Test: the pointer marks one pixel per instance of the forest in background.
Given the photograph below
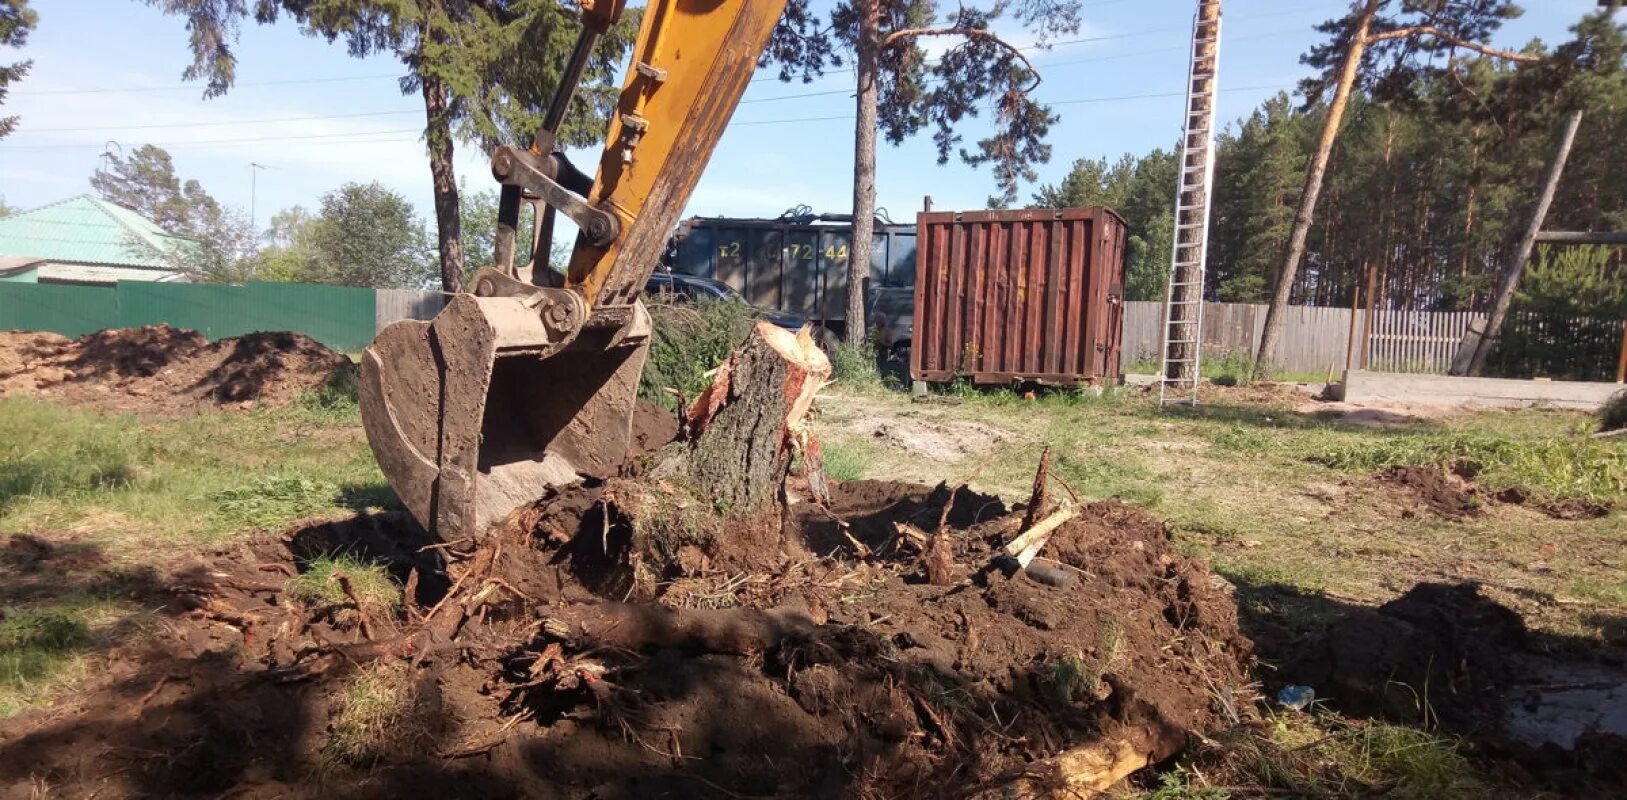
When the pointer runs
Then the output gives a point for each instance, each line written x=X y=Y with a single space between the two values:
x=1431 y=186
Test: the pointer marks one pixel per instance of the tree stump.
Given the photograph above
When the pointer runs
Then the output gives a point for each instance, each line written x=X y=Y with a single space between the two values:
x=747 y=427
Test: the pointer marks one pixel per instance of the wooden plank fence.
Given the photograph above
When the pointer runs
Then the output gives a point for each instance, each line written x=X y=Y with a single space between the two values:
x=1314 y=338
x=1417 y=341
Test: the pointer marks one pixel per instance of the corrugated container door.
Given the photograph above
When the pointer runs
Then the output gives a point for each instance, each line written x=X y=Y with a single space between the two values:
x=1009 y=296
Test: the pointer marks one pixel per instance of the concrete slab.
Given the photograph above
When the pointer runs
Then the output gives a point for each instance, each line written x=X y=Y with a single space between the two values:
x=1364 y=387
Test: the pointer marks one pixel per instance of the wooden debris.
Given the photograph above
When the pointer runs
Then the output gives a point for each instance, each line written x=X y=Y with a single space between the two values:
x=1030 y=542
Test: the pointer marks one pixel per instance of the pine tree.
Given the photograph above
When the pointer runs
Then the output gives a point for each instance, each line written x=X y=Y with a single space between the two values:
x=900 y=93
x=483 y=68
x=16 y=20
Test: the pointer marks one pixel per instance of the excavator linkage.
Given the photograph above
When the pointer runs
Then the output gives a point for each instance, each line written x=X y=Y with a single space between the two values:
x=522 y=383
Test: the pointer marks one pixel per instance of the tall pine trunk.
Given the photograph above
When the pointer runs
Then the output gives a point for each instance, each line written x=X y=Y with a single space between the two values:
x=448 y=223
x=1313 y=189
x=1510 y=280
x=864 y=171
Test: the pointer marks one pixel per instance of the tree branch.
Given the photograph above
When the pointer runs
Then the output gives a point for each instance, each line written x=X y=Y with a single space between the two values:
x=971 y=33
x=1431 y=30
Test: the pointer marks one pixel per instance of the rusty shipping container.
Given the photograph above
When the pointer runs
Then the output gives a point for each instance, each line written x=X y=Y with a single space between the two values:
x=1014 y=296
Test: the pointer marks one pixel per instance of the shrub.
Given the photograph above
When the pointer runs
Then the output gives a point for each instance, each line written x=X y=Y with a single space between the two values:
x=854 y=363
x=689 y=340
x=1613 y=414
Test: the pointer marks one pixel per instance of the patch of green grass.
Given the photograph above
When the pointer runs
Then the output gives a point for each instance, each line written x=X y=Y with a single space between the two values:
x=842 y=463
x=47 y=451
x=138 y=484
x=1322 y=755
x=270 y=499
x=1244 y=439
x=382 y=714
x=1253 y=573
x=374 y=587
x=39 y=648
x=1551 y=467
x=1100 y=476
x=1611 y=593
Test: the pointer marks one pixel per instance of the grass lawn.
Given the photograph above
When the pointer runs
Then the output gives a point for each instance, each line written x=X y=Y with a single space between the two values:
x=1272 y=492
x=125 y=498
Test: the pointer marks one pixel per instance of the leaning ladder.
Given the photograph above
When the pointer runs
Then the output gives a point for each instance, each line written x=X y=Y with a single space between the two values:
x=1181 y=354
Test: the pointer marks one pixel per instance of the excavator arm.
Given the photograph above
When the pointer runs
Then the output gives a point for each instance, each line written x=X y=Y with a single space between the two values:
x=522 y=384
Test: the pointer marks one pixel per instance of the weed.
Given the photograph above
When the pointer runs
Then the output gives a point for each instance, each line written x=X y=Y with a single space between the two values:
x=855 y=363
x=842 y=463
x=688 y=341
x=336 y=401
x=374 y=587
x=271 y=499
x=383 y=714
x=1233 y=367
x=38 y=646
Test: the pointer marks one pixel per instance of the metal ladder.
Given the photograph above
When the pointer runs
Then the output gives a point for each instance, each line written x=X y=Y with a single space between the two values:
x=1181 y=353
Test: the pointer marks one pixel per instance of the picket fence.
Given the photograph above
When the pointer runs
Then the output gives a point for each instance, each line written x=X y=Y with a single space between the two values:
x=1316 y=341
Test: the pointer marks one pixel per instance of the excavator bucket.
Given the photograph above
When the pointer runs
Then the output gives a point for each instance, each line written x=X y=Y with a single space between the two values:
x=519 y=386
x=475 y=413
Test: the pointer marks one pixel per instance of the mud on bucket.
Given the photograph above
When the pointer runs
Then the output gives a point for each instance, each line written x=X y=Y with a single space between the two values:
x=477 y=412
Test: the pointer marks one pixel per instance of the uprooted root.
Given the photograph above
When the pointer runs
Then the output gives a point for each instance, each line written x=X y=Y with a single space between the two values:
x=621 y=636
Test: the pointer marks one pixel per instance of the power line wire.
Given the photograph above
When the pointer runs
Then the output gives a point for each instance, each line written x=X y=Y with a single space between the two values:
x=194 y=86
x=1078 y=101
x=187 y=142
x=799 y=95
x=268 y=120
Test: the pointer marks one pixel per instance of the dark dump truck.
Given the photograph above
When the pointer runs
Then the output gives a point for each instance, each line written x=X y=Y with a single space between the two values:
x=796 y=262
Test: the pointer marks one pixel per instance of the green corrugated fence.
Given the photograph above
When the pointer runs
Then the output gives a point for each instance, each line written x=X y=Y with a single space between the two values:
x=68 y=310
x=340 y=317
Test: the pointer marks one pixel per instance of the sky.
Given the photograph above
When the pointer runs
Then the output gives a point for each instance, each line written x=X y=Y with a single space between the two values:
x=107 y=76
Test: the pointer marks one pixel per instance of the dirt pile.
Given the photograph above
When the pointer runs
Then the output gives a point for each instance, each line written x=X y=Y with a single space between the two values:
x=162 y=370
x=1455 y=495
x=620 y=648
x=1444 y=494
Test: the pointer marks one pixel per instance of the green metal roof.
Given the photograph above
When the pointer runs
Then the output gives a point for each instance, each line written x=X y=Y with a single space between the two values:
x=87 y=230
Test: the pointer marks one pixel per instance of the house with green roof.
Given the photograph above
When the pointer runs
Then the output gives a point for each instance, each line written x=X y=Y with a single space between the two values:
x=86 y=240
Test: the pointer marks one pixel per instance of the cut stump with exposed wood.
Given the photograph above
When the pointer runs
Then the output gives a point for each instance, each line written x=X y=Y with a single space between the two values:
x=748 y=427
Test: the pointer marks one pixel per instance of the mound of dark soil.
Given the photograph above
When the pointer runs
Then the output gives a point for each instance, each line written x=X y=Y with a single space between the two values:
x=162 y=370
x=1454 y=495
x=133 y=352
x=1443 y=494
x=624 y=654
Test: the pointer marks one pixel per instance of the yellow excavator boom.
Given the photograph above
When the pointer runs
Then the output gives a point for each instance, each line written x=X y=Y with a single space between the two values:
x=530 y=380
